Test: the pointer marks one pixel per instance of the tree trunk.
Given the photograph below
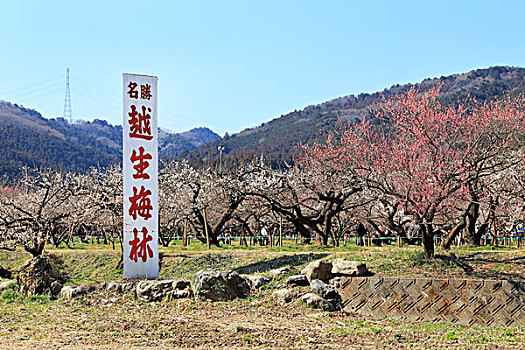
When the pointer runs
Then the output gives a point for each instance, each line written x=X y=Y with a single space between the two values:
x=36 y=249
x=428 y=239
x=399 y=231
x=306 y=236
x=472 y=237
x=448 y=241
x=323 y=239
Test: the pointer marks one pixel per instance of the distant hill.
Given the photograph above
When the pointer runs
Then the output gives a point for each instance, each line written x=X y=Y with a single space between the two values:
x=173 y=145
x=276 y=141
x=27 y=138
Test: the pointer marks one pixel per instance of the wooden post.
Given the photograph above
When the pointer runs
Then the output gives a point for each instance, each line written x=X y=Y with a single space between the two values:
x=399 y=241
x=206 y=228
x=494 y=228
x=244 y=243
x=185 y=235
x=280 y=230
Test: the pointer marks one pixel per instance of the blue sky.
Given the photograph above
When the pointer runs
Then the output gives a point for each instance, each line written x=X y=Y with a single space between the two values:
x=230 y=65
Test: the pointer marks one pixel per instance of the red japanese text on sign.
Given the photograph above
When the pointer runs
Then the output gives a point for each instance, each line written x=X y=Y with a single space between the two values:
x=145 y=91
x=132 y=92
x=142 y=164
x=140 y=203
x=140 y=247
x=139 y=123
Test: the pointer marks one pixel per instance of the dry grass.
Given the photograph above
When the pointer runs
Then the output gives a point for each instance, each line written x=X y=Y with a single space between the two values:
x=107 y=321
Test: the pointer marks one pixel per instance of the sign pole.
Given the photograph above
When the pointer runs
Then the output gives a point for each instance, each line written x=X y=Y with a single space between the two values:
x=140 y=176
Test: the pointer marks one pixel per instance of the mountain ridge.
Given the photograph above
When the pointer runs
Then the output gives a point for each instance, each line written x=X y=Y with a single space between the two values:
x=276 y=140
x=29 y=139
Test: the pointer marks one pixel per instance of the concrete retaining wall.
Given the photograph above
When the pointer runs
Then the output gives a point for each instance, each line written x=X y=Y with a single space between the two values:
x=467 y=302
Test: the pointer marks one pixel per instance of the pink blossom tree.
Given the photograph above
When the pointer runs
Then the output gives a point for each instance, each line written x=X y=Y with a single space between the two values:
x=420 y=154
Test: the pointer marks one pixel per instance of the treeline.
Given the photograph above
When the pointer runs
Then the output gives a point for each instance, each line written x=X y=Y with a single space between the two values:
x=277 y=139
x=28 y=139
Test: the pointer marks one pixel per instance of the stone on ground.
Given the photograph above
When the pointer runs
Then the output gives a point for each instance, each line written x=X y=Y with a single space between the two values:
x=38 y=276
x=318 y=270
x=120 y=287
x=324 y=290
x=70 y=292
x=6 y=284
x=342 y=267
x=257 y=281
x=280 y=271
x=287 y=295
x=327 y=292
x=317 y=302
x=219 y=285
x=158 y=290
x=297 y=281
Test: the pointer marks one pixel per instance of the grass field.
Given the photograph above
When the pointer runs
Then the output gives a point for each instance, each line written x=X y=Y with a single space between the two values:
x=110 y=321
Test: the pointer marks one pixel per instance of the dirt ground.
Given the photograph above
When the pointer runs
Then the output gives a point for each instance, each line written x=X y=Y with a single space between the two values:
x=103 y=320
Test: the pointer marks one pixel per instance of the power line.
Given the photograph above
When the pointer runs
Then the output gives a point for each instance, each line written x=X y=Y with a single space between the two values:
x=32 y=85
x=88 y=94
x=95 y=86
x=32 y=92
x=42 y=95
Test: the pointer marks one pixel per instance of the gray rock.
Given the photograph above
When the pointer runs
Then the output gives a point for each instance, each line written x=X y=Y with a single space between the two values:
x=181 y=284
x=318 y=270
x=324 y=290
x=219 y=286
x=120 y=287
x=297 y=281
x=287 y=295
x=56 y=287
x=336 y=282
x=342 y=267
x=102 y=285
x=179 y=294
x=257 y=281
x=70 y=292
x=327 y=292
x=6 y=284
x=317 y=302
x=158 y=290
x=279 y=271
x=113 y=287
x=37 y=276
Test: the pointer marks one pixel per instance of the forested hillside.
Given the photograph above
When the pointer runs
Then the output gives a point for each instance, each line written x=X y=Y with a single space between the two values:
x=276 y=141
x=27 y=138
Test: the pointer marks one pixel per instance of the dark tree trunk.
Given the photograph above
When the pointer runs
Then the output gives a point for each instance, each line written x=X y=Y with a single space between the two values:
x=448 y=241
x=472 y=237
x=36 y=249
x=427 y=232
x=323 y=239
x=306 y=236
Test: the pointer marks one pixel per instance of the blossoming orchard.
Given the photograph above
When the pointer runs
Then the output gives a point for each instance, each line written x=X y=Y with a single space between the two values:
x=412 y=170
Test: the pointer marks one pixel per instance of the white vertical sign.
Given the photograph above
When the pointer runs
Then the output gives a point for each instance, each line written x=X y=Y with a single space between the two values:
x=140 y=170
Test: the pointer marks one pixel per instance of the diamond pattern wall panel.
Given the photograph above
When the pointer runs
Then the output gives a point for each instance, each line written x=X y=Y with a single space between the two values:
x=467 y=302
